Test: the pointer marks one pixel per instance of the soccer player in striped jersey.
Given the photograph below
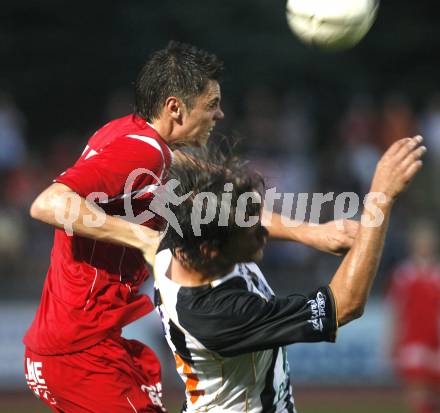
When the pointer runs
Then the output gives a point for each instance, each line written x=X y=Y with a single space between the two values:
x=222 y=321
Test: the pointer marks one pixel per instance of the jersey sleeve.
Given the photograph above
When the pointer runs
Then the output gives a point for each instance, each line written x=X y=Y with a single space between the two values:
x=109 y=169
x=232 y=322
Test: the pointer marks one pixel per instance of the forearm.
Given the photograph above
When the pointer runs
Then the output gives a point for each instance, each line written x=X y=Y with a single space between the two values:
x=352 y=281
x=65 y=209
x=335 y=237
x=283 y=228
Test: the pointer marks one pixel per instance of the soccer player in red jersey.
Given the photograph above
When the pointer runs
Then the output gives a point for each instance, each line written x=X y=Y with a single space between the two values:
x=415 y=298
x=76 y=359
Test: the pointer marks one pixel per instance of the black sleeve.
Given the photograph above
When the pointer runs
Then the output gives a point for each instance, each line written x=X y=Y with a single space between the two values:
x=230 y=320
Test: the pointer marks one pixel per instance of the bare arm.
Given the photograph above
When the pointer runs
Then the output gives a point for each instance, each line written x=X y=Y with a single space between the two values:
x=335 y=237
x=352 y=282
x=58 y=205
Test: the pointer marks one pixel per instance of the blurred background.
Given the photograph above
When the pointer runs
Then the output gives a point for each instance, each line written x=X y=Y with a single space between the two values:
x=310 y=121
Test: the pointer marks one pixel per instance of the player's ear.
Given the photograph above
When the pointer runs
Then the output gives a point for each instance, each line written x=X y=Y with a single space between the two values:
x=174 y=108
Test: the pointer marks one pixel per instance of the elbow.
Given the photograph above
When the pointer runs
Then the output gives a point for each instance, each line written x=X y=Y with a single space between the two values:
x=350 y=304
x=35 y=210
x=352 y=312
x=357 y=311
x=38 y=210
x=50 y=203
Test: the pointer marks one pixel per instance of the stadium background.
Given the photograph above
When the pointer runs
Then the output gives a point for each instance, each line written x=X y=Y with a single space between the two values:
x=311 y=121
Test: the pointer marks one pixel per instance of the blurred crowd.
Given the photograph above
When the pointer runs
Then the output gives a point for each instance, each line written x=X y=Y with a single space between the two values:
x=283 y=136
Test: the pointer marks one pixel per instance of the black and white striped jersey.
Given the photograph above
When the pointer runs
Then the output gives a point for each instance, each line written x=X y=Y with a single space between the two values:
x=228 y=337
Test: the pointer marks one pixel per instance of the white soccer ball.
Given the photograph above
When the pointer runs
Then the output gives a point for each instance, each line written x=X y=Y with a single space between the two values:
x=331 y=24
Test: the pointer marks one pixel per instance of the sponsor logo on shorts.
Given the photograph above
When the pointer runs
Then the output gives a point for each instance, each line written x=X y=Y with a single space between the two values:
x=36 y=382
x=154 y=392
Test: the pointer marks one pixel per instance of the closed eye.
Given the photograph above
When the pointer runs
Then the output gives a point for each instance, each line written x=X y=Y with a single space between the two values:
x=214 y=103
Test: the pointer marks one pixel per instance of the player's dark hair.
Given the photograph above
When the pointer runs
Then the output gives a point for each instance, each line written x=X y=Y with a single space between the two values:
x=209 y=171
x=180 y=70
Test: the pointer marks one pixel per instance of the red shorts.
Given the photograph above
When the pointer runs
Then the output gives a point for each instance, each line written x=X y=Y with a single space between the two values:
x=116 y=375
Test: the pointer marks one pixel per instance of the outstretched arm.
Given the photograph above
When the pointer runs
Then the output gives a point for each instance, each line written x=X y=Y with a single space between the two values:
x=335 y=237
x=59 y=206
x=352 y=282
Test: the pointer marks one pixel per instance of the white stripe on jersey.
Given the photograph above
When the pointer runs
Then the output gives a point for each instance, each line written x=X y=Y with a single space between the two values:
x=154 y=144
x=148 y=140
x=131 y=404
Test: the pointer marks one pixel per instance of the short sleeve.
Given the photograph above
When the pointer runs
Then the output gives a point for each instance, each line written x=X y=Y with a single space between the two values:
x=109 y=169
x=232 y=321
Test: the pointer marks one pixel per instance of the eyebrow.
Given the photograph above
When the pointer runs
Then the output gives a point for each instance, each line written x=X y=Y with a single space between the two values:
x=214 y=100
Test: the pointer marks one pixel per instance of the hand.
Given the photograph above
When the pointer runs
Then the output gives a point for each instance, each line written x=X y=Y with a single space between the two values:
x=398 y=166
x=335 y=237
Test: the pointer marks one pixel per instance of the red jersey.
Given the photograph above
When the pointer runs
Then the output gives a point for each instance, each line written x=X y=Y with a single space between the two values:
x=415 y=294
x=91 y=288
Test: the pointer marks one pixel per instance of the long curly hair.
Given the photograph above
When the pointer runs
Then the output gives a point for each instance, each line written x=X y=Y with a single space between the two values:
x=218 y=184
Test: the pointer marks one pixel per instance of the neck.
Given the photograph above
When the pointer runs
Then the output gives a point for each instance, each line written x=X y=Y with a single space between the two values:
x=188 y=277
x=164 y=129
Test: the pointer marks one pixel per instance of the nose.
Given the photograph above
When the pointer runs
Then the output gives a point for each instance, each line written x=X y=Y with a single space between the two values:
x=219 y=115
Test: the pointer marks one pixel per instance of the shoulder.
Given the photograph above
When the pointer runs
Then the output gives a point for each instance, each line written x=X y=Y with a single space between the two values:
x=229 y=303
x=129 y=132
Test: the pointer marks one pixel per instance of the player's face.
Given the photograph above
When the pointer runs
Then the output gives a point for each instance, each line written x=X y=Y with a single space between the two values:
x=198 y=123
